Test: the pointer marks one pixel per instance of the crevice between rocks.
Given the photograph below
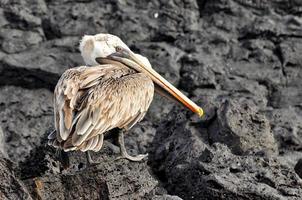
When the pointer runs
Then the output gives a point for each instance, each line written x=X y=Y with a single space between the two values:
x=201 y=6
x=31 y=79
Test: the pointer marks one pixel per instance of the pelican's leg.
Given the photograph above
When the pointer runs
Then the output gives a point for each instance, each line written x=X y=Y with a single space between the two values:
x=124 y=153
x=90 y=160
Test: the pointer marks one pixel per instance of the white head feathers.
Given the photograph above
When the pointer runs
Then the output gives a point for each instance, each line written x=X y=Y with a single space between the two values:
x=100 y=45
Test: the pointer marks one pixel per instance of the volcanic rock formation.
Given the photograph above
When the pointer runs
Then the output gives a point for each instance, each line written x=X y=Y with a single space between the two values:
x=239 y=59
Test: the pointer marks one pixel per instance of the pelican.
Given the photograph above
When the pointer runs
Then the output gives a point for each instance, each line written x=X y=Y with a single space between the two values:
x=114 y=90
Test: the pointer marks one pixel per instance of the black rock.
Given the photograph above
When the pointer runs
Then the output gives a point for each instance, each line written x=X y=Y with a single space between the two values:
x=10 y=186
x=298 y=168
x=194 y=168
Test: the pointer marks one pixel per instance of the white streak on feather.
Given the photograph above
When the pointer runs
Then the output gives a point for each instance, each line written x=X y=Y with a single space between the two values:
x=83 y=123
x=95 y=142
x=100 y=143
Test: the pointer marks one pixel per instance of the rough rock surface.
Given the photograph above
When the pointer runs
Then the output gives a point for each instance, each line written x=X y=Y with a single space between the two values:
x=25 y=116
x=46 y=178
x=192 y=166
x=239 y=59
x=10 y=186
x=2 y=142
x=298 y=168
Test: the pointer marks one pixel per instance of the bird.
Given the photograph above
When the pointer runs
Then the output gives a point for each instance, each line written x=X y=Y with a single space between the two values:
x=113 y=90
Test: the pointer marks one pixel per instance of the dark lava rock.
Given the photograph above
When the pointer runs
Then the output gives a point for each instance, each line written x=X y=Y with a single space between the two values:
x=192 y=168
x=15 y=40
x=25 y=116
x=286 y=125
x=298 y=168
x=2 y=142
x=112 y=178
x=78 y=186
x=27 y=68
x=166 y=197
x=139 y=138
x=242 y=129
x=10 y=186
x=198 y=74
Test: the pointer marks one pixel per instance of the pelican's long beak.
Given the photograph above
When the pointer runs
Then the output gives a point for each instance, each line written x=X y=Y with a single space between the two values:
x=129 y=58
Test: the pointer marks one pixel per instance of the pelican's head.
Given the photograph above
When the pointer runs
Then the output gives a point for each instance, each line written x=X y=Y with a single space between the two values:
x=100 y=45
x=100 y=48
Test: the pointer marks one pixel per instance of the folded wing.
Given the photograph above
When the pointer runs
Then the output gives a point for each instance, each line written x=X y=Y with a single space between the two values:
x=89 y=101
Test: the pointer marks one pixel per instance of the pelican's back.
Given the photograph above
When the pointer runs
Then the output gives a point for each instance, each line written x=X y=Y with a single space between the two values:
x=89 y=101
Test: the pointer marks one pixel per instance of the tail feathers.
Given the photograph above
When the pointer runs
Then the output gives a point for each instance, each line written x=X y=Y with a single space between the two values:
x=95 y=143
x=53 y=140
x=54 y=143
x=68 y=146
x=52 y=135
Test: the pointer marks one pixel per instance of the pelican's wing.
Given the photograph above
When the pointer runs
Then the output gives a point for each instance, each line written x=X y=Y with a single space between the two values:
x=91 y=101
x=70 y=91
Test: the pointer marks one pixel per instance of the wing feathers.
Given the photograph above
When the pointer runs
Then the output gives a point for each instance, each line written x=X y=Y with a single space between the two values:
x=94 y=143
x=91 y=101
x=67 y=114
x=84 y=122
x=100 y=143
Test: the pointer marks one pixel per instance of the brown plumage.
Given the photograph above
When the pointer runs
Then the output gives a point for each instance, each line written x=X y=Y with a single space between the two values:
x=89 y=101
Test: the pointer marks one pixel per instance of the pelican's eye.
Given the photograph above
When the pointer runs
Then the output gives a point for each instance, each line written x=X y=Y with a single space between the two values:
x=118 y=49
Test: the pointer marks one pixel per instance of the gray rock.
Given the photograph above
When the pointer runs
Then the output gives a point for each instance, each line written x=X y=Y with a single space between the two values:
x=298 y=168
x=27 y=68
x=2 y=143
x=10 y=186
x=3 y=20
x=139 y=139
x=68 y=187
x=291 y=96
x=166 y=197
x=159 y=108
x=194 y=167
x=14 y=40
x=286 y=126
x=242 y=129
x=197 y=74
x=25 y=116
x=112 y=178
